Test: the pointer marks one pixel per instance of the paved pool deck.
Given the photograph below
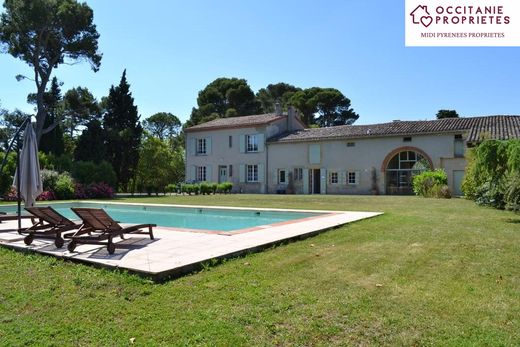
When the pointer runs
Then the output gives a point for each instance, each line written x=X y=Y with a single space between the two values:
x=176 y=252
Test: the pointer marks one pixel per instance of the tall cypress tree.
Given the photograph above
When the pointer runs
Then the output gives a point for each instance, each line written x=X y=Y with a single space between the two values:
x=123 y=131
x=52 y=141
x=91 y=143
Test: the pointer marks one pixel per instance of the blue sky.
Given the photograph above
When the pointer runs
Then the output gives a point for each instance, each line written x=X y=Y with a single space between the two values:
x=173 y=49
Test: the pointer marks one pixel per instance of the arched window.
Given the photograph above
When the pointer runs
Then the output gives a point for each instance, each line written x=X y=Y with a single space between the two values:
x=401 y=169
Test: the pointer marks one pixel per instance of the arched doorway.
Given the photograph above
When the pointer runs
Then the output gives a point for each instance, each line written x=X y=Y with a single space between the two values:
x=400 y=166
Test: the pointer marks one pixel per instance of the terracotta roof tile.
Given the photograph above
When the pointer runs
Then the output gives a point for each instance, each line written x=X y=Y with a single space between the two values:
x=495 y=127
x=236 y=122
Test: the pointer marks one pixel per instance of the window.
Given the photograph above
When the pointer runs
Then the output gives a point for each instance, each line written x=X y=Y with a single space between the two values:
x=298 y=174
x=230 y=141
x=351 y=144
x=407 y=139
x=251 y=143
x=282 y=177
x=201 y=146
x=201 y=173
x=252 y=173
x=230 y=170
x=458 y=150
x=333 y=177
x=351 y=178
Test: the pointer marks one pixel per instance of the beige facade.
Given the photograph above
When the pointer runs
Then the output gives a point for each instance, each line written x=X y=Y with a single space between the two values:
x=226 y=156
x=262 y=158
x=354 y=166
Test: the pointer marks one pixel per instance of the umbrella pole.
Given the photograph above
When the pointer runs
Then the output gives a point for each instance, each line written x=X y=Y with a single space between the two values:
x=18 y=194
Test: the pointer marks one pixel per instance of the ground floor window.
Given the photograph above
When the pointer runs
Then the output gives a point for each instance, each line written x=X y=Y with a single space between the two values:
x=352 y=177
x=298 y=174
x=201 y=173
x=282 y=176
x=333 y=178
x=401 y=170
x=252 y=173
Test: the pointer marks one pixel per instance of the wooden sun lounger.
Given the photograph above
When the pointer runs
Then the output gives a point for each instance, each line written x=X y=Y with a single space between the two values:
x=51 y=225
x=98 y=227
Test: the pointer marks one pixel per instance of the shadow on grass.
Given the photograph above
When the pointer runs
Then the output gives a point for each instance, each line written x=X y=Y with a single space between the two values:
x=513 y=220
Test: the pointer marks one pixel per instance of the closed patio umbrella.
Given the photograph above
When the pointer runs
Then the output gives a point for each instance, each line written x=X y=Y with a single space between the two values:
x=30 y=184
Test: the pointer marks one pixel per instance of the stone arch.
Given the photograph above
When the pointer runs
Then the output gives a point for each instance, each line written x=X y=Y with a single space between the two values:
x=396 y=151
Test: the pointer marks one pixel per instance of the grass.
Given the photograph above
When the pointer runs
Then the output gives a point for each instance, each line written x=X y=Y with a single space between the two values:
x=427 y=273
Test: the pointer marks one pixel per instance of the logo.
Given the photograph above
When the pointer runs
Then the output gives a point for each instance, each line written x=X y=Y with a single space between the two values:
x=421 y=16
x=462 y=23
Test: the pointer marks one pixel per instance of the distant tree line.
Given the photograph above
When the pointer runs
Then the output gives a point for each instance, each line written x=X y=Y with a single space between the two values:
x=231 y=97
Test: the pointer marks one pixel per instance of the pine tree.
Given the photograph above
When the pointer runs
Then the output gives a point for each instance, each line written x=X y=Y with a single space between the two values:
x=123 y=131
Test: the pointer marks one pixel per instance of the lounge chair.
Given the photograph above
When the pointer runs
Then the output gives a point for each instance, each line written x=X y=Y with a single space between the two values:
x=98 y=226
x=51 y=225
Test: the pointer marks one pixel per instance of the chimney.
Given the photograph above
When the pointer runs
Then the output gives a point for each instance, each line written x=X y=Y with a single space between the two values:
x=291 y=115
x=278 y=108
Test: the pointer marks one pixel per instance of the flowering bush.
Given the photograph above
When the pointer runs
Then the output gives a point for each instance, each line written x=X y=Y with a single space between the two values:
x=11 y=195
x=46 y=196
x=93 y=191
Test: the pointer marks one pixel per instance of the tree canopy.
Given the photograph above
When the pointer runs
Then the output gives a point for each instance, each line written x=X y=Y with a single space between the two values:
x=447 y=114
x=224 y=97
x=45 y=34
x=323 y=106
x=79 y=108
x=279 y=92
x=163 y=125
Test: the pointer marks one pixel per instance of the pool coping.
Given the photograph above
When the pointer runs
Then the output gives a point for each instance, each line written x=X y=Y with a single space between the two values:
x=166 y=257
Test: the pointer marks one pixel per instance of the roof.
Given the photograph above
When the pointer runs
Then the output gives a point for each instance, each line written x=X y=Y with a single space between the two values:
x=495 y=127
x=236 y=122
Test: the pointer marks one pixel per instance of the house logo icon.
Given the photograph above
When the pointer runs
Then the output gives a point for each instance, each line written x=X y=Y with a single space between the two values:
x=421 y=16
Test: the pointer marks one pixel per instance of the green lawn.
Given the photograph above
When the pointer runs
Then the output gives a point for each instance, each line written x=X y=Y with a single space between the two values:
x=427 y=273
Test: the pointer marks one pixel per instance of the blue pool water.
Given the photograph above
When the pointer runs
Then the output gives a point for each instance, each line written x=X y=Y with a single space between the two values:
x=181 y=217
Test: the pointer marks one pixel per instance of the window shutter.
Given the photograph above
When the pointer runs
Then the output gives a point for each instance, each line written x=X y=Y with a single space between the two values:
x=358 y=174
x=323 y=181
x=305 y=179
x=260 y=172
x=208 y=145
x=261 y=142
x=314 y=154
x=343 y=178
x=242 y=143
x=192 y=173
x=242 y=173
x=209 y=177
x=192 y=145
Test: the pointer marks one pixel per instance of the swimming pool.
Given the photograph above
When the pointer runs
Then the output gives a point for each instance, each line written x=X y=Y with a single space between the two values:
x=198 y=218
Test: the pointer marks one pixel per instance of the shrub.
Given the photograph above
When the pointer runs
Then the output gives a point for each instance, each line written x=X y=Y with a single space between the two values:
x=46 y=196
x=512 y=193
x=431 y=184
x=171 y=188
x=190 y=188
x=205 y=188
x=64 y=187
x=87 y=172
x=100 y=191
x=225 y=187
x=49 y=179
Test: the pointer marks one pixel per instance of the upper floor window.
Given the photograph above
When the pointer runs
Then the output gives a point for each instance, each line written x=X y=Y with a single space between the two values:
x=458 y=151
x=230 y=141
x=201 y=146
x=251 y=143
x=351 y=144
x=407 y=139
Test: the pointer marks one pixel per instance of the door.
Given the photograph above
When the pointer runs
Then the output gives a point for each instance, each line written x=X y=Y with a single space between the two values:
x=222 y=174
x=458 y=176
x=316 y=181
